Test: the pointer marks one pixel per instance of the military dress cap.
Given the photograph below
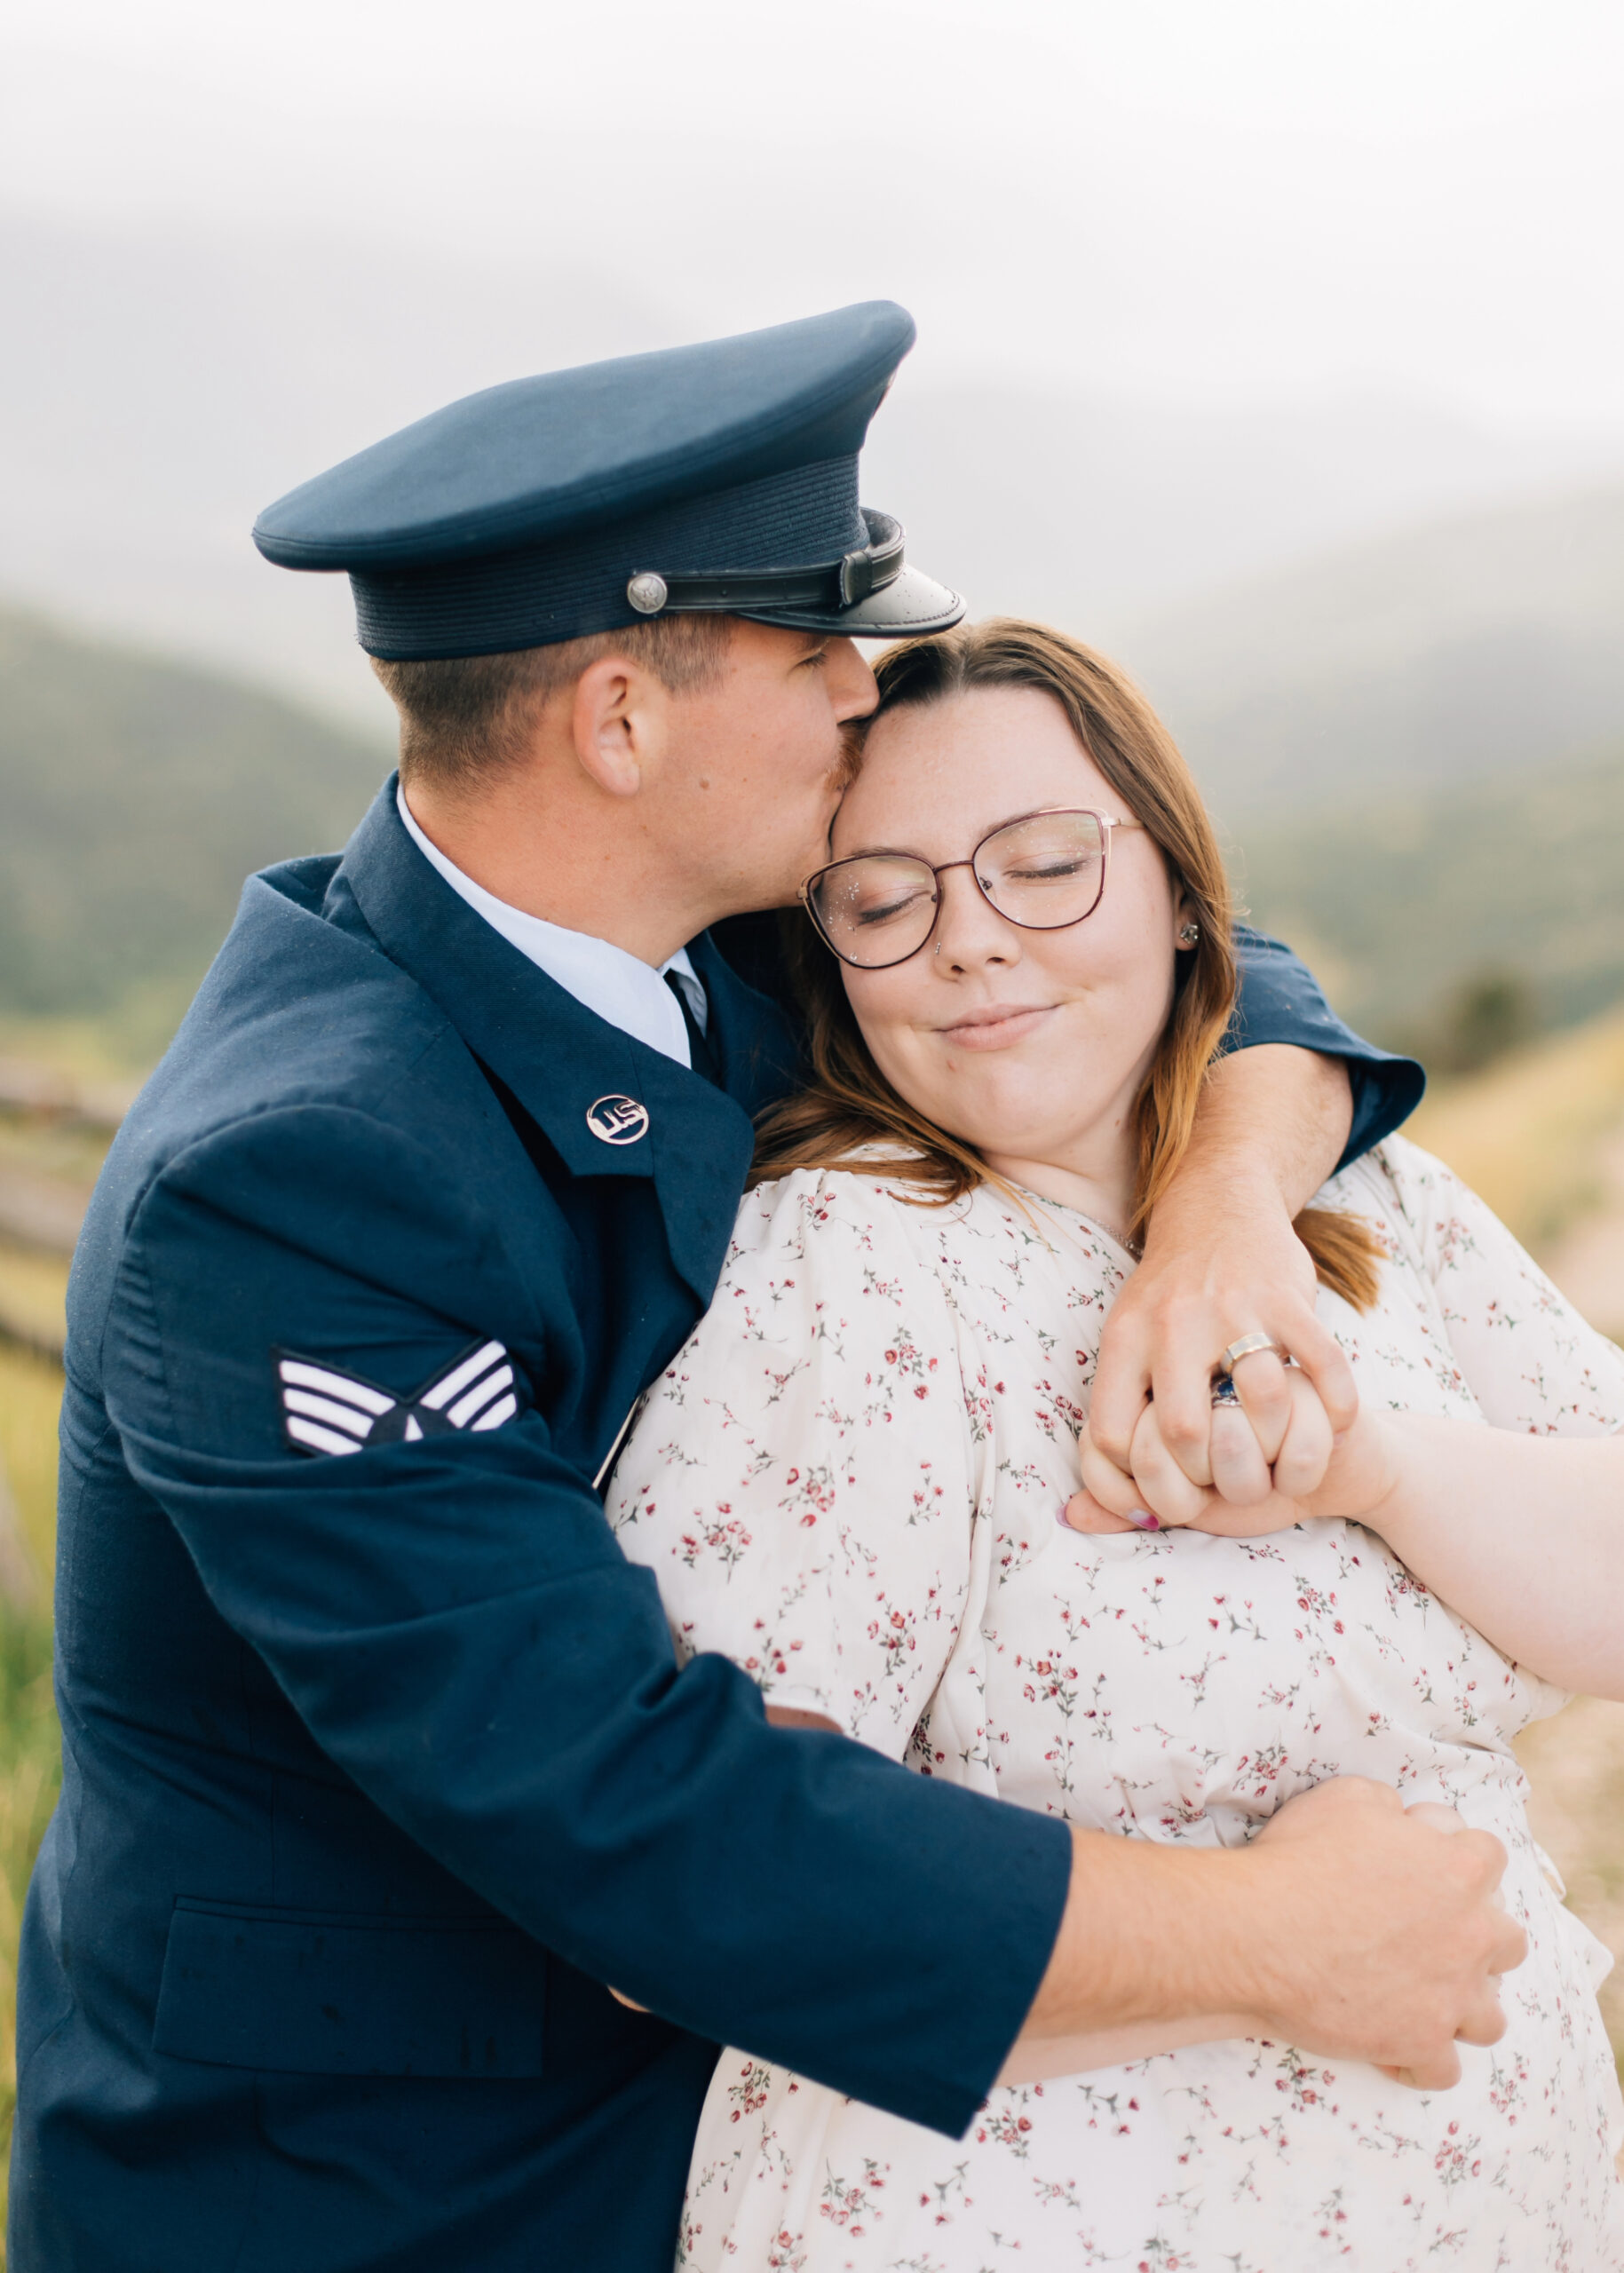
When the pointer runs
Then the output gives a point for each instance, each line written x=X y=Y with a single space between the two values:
x=719 y=478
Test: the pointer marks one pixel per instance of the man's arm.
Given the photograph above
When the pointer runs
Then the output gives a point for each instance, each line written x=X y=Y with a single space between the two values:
x=1221 y=1260
x=1348 y=1926
x=1296 y=1095
x=453 y=1621
x=1280 y=1000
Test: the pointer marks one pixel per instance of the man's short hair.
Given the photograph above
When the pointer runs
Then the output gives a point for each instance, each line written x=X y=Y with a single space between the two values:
x=465 y=718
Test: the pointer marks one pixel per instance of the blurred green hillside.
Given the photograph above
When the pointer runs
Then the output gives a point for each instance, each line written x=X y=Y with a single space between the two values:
x=1418 y=906
x=138 y=792
x=1488 y=643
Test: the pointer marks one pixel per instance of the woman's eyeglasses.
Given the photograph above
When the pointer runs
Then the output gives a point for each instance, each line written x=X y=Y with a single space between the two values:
x=1045 y=871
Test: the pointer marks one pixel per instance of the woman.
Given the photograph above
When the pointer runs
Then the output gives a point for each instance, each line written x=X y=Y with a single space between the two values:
x=849 y=1482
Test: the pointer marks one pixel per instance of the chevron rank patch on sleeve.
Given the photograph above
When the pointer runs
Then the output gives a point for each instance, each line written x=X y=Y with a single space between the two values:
x=327 y=1410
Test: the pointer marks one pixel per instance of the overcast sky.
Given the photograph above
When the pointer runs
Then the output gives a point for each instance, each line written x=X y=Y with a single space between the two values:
x=1209 y=200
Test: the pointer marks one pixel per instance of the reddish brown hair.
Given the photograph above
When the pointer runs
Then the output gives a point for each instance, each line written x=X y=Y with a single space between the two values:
x=850 y=1105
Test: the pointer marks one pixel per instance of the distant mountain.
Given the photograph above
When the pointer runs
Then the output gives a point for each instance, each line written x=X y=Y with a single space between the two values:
x=137 y=794
x=1091 y=510
x=1402 y=900
x=1490 y=642
x=156 y=392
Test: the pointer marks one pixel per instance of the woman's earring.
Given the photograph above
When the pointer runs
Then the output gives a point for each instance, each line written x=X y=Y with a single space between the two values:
x=1188 y=934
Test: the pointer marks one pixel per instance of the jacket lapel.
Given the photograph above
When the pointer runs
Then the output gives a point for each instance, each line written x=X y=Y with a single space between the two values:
x=609 y=1106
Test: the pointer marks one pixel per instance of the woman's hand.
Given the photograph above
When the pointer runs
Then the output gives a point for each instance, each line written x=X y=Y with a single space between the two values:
x=1221 y=1260
x=1313 y=1472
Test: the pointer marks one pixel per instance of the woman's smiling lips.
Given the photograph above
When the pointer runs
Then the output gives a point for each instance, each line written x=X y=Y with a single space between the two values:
x=997 y=1026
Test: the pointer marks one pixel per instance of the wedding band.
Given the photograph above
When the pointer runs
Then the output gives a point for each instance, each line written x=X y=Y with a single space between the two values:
x=1248 y=1346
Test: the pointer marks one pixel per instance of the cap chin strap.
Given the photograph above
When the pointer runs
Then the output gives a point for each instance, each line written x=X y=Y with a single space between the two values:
x=832 y=585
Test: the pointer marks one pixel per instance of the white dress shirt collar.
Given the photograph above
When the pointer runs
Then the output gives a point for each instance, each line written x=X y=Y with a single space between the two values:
x=622 y=991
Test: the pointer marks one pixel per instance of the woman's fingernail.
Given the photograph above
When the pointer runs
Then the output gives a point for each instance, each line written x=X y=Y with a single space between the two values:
x=1140 y=1521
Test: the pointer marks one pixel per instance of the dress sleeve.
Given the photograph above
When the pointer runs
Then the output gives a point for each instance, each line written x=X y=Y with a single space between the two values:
x=1522 y=1349
x=799 y=1479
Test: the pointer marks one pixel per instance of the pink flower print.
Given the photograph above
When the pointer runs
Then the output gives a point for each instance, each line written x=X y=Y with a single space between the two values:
x=728 y=1540
x=809 y=1493
x=1008 y=2129
x=1404 y=1586
x=772 y=1656
x=1456 y=2158
x=1307 y=2085
x=893 y=1630
x=748 y=2095
x=926 y=1494
x=1331 y=2214
x=846 y=2200
x=1263 y=1766
x=1506 y=2087
x=946 y=2190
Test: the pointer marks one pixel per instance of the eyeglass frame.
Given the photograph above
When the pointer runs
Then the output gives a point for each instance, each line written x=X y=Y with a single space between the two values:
x=1108 y=823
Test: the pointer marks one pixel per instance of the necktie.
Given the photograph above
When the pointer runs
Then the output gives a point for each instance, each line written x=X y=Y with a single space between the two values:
x=699 y=1050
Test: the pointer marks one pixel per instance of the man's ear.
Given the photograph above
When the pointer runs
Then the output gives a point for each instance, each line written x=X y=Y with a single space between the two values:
x=619 y=723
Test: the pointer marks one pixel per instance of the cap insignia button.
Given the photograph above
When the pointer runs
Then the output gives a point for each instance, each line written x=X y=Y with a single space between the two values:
x=647 y=592
x=617 y=1121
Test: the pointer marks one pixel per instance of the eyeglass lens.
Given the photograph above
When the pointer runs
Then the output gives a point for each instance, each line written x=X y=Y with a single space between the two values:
x=1043 y=872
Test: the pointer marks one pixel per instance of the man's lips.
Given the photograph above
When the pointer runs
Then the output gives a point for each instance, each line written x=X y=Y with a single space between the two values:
x=997 y=1026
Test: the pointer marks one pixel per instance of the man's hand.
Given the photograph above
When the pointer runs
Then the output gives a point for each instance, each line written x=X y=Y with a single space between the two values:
x=1353 y=1861
x=1348 y=1927
x=1221 y=1260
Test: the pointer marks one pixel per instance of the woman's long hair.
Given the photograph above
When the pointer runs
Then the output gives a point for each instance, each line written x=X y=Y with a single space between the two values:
x=849 y=1107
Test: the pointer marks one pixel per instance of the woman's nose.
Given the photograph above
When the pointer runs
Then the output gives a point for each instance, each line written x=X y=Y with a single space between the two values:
x=970 y=933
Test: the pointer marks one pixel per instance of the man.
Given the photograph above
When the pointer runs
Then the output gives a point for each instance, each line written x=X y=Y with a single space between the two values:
x=378 y=1763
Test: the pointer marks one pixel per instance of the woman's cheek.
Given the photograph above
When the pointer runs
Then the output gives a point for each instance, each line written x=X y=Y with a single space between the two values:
x=895 y=1049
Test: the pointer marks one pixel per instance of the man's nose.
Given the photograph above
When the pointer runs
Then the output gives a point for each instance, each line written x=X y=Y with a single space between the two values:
x=970 y=933
x=853 y=689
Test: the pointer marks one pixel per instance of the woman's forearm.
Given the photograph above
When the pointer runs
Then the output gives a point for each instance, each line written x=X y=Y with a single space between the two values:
x=1522 y=1535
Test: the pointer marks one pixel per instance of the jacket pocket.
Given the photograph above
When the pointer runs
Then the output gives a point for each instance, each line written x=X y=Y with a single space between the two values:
x=335 y=1994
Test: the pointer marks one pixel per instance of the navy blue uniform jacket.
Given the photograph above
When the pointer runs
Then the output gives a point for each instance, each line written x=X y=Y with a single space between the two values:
x=376 y=1766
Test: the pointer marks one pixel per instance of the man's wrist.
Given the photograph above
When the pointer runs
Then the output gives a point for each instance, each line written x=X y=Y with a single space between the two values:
x=1276 y=1117
x=1225 y=1185
x=1150 y=1933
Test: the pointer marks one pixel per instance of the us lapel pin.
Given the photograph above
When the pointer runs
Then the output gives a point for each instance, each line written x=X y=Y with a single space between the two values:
x=617 y=1121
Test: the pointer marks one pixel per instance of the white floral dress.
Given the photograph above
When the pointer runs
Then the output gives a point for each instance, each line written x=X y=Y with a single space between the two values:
x=849 y=1482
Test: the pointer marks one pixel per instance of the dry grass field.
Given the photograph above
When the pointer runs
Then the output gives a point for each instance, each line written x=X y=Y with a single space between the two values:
x=30 y=1390
x=1534 y=1136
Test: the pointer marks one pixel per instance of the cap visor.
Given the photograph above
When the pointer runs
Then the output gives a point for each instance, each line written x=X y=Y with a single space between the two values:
x=912 y=602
